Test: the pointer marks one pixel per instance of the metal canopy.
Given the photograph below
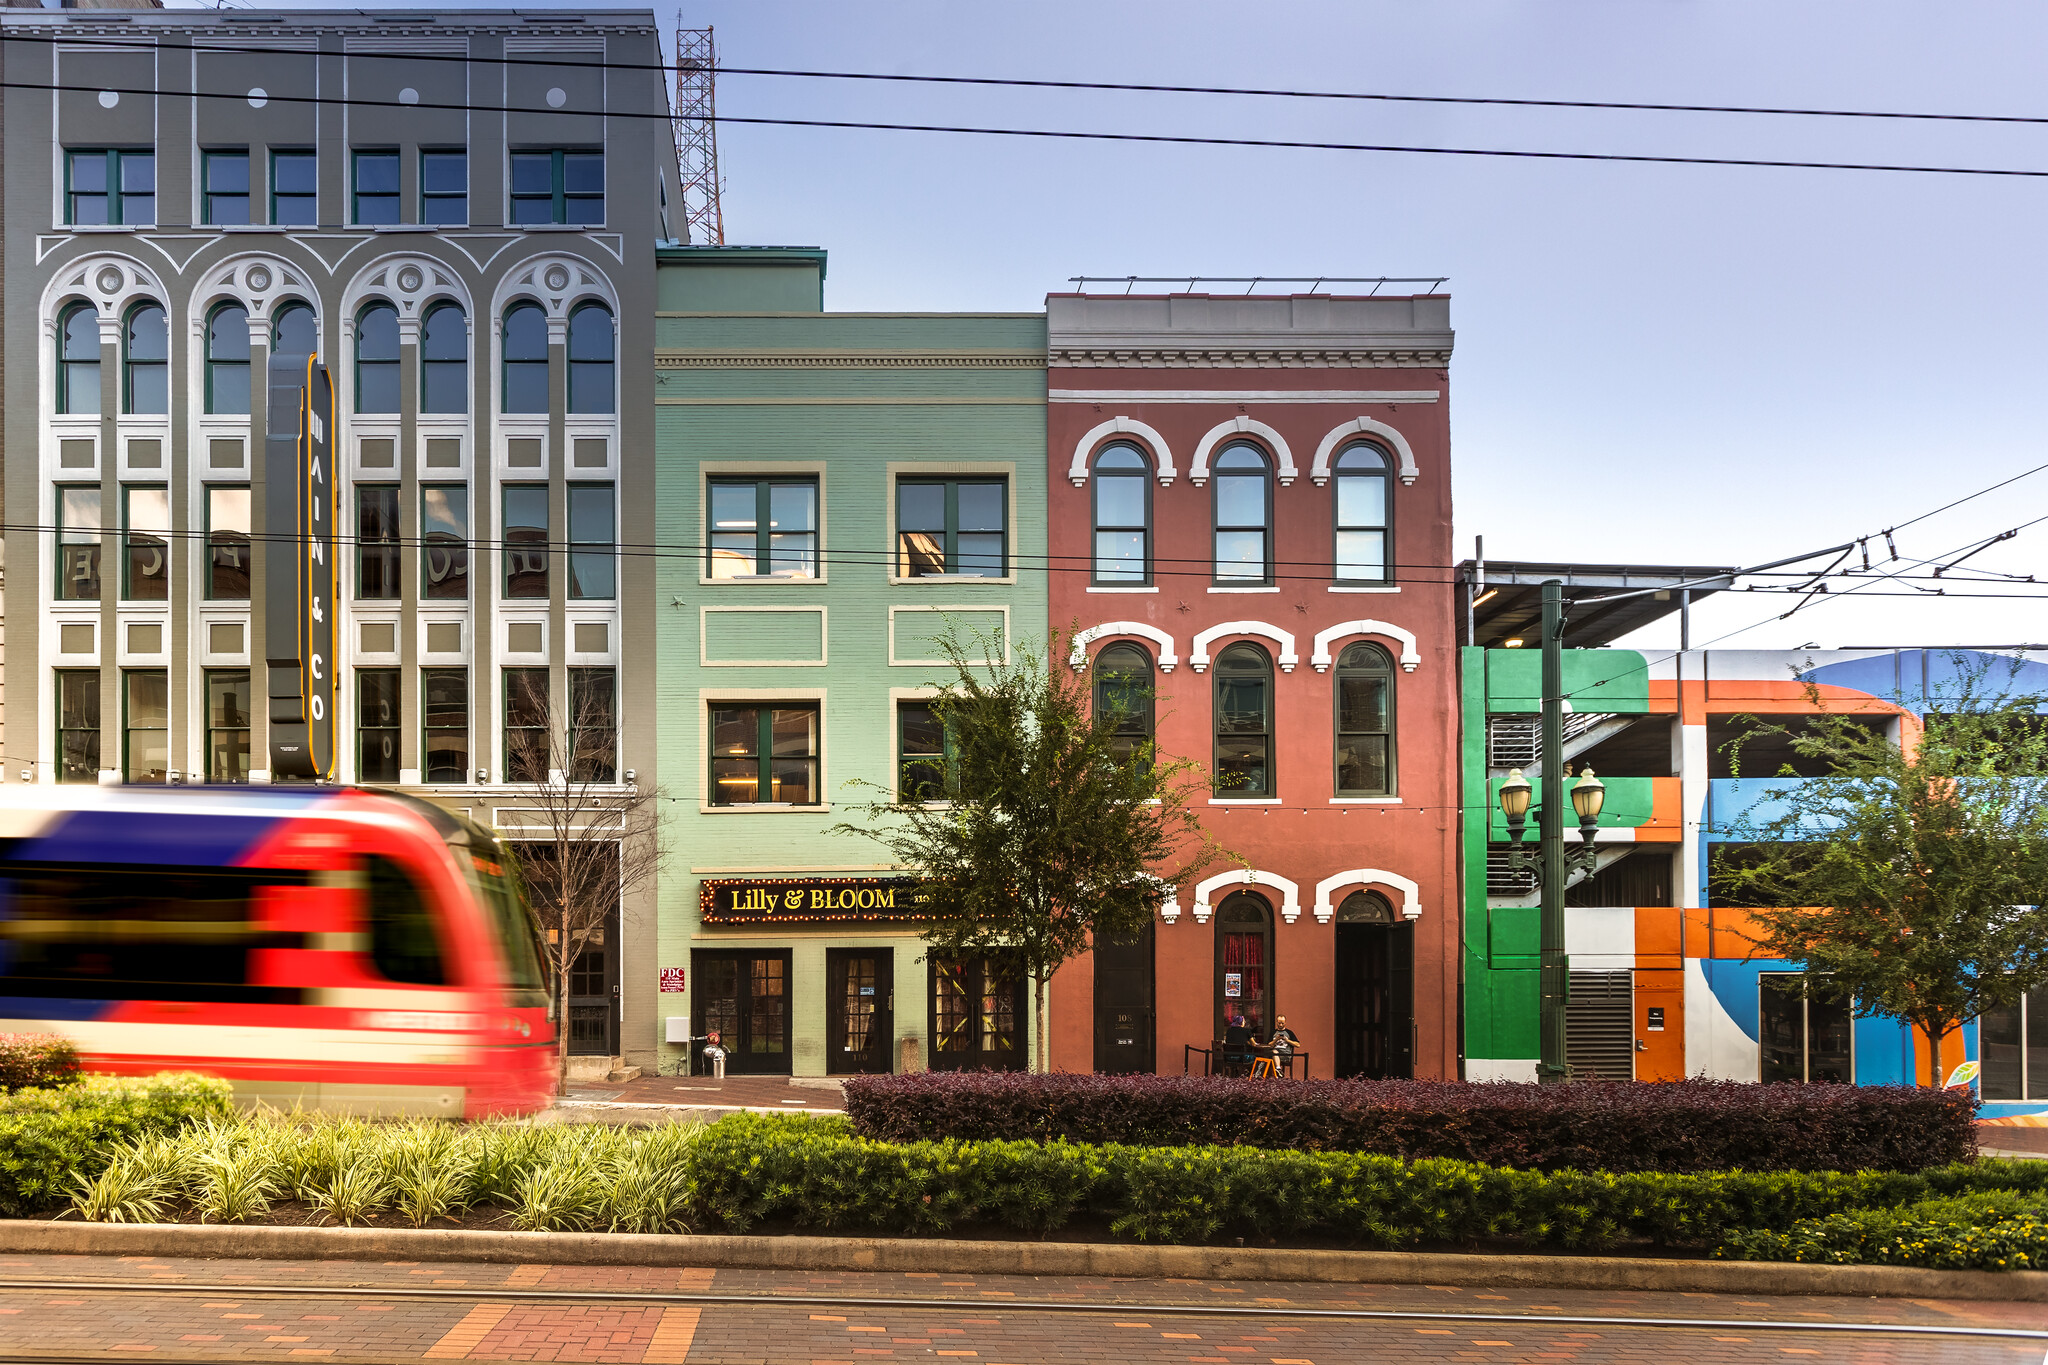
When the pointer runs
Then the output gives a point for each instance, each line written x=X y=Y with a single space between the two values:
x=1501 y=600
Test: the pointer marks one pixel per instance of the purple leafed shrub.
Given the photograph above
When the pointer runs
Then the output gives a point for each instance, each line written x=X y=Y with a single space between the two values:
x=40 y=1059
x=1672 y=1126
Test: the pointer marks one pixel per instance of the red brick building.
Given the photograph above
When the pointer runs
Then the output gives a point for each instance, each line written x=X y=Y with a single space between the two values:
x=1249 y=511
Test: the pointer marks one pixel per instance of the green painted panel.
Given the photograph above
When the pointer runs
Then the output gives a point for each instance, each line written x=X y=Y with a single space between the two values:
x=1628 y=804
x=755 y=636
x=916 y=633
x=1600 y=680
x=1517 y=1011
x=779 y=286
x=1515 y=934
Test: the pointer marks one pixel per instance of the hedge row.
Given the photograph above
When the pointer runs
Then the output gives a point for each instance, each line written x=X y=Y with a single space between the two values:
x=48 y=1136
x=2000 y=1231
x=36 y=1059
x=1674 y=1126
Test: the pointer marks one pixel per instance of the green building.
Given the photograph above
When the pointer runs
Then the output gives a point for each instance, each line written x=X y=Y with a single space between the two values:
x=833 y=490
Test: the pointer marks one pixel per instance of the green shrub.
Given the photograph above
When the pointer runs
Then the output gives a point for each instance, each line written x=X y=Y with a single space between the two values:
x=1996 y=1230
x=48 y=1137
x=36 y=1059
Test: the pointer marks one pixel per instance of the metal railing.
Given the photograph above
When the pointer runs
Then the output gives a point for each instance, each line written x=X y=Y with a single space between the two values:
x=1251 y=282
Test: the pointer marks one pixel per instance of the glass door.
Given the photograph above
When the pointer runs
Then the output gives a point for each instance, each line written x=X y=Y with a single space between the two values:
x=977 y=1016
x=744 y=996
x=860 y=1011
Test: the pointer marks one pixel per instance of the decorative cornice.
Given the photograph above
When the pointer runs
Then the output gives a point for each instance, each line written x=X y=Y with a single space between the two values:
x=1237 y=358
x=848 y=360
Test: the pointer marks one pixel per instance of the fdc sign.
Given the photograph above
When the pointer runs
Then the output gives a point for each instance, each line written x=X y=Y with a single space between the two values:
x=300 y=575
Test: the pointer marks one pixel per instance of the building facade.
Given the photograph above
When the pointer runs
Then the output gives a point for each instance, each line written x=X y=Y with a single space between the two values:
x=1248 y=510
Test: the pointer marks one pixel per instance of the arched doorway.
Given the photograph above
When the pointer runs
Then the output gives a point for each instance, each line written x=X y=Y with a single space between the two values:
x=1244 y=963
x=1375 y=989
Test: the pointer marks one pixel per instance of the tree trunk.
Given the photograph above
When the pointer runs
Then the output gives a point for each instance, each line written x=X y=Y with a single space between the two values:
x=1038 y=985
x=562 y=1009
x=1934 y=1052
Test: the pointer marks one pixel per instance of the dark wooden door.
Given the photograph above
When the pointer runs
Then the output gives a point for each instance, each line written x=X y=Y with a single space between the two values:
x=1124 y=1010
x=860 y=1011
x=978 y=1016
x=1375 y=1000
x=745 y=997
x=594 y=994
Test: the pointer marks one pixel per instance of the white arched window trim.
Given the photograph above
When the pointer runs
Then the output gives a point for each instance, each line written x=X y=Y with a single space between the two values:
x=1198 y=468
x=1290 y=894
x=1198 y=658
x=1084 y=452
x=1411 y=901
x=1319 y=470
x=1320 y=660
x=1078 y=659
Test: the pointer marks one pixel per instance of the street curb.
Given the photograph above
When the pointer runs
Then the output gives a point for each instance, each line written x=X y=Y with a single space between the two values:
x=946 y=1256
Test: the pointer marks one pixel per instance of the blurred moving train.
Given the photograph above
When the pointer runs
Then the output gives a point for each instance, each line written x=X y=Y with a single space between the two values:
x=326 y=947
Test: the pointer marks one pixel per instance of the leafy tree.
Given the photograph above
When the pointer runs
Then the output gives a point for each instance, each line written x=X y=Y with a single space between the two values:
x=1053 y=829
x=1909 y=877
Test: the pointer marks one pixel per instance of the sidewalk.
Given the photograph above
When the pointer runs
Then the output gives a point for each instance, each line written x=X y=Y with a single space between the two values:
x=648 y=1094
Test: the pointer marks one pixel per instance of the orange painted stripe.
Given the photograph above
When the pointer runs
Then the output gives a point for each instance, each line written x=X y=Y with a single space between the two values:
x=467 y=1335
x=673 y=1336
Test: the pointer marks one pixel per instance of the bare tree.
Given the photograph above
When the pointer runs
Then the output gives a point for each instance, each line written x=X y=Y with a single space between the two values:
x=588 y=840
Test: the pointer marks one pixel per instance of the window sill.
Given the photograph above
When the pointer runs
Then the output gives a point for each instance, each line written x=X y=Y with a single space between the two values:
x=106 y=227
x=1153 y=590
x=951 y=580
x=557 y=227
x=1219 y=590
x=764 y=808
x=399 y=227
x=763 y=579
x=1383 y=587
x=1244 y=800
x=1365 y=800
x=273 y=229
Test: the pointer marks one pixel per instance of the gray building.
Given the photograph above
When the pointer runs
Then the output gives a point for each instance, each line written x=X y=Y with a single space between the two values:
x=457 y=212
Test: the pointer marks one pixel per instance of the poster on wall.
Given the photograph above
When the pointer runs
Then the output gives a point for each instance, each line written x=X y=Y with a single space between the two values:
x=1233 y=985
x=671 y=980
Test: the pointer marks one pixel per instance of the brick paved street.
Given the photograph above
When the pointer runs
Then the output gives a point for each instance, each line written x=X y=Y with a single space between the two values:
x=208 y=1319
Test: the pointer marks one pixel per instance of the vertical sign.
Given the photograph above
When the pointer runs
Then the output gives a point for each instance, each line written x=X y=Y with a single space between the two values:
x=302 y=574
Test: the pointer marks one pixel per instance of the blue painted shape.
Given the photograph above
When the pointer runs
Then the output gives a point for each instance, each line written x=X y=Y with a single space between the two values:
x=1884 y=1052
x=1897 y=676
x=156 y=838
x=1734 y=986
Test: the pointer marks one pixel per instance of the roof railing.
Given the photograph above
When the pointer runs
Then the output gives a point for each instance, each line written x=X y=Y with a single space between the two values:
x=1251 y=282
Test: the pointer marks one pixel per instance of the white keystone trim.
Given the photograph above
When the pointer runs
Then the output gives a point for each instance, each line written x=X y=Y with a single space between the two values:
x=1321 y=658
x=1198 y=659
x=1363 y=426
x=1198 y=469
x=1078 y=659
x=1290 y=894
x=1162 y=457
x=1169 y=908
x=1411 y=903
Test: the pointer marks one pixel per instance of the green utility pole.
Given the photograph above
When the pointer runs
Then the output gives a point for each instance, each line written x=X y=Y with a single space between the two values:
x=1554 y=978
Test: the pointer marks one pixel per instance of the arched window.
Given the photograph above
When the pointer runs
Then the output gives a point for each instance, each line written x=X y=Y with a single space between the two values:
x=227 y=359
x=1123 y=686
x=1244 y=515
x=1244 y=963
x=294 y=333
x=1364 y=527
x=78 y=361
x=1244 y=721
x=590 y=359
x=1123 y=508
x=377 y=359
x=145 y=361
x=1365 y=722
x=444 y=360
x=526 y=358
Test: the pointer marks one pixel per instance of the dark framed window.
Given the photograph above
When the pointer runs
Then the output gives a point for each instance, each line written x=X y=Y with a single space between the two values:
x=526 y=539
x=592 y=572
x=763 y=527
x=525 y=359
x=1123 y=688
x=226 y=179
x=294 y=188
x=294 y=333
x=444 y=187
x=444 y=541
x=1802 y=1039
x=227 y=725
x=764 y=755
x=1122 y=490
x=374 y=188
x=78 y=361
x=145 y=361
x=377 y=723
x=926 y=765
x=1364 y=515
x=146 y=542
x=1242 y=484
x=110 y=186
x=78 y=725
x=227 y=542
x=78 y=543
x=377 y=541
x=557 y=185
x=952 y=526
x=593 y=725
x=377 y=359
x=402 y=942
x=444 y=724
x=1244 y=964
x=591 y=351
x=227 y=359
x=1244 y=721
x=2012 y=1040
x=444 y=360
x=1365 y=722
x=145 y=725
x=527 y=750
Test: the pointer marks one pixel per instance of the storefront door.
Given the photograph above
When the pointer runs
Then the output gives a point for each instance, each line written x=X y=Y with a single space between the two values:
x=860 y=1010
x=594 y=994
x=1123 y=1003
x=977 y=1016
x=1375 y=994
x=745 y=997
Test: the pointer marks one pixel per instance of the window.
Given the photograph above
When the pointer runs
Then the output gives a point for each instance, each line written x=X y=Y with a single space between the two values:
x=1123 y=497
x=377 y=540
x=1244 y=721
x=146 y=724
x=444 y=188
x=294 y=189
x=557 y=186
x=377 y=359
x=445 y=729
x=1244 y=542
x=227 y=726
x=294 y=334
x=145 y=361
x=1244 y=958
x=78 y=725
x=590 y=359
x=763 y=527
x=591 y=568
x=1365 y=722
x=444 y=360
x=1362 y=526
x=146 y=558
x=377 y=725
x=925 y=764
x=951 y=526
x=376 y=188
x=593 y=725
x=764 y=755
x=110 y=187
x=402 y=943
x=1803 y=1040
x=527 y=750
x=78 y=544
x=1123 y=688
x=526 y=359
x=226 y=178
x=2013 y=1043
x=227 y=360
x=444 y=541
x=78 y=361
x=227 y=543
x=526 y=540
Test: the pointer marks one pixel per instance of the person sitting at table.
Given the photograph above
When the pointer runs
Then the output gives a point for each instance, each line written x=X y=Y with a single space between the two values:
x=1283 y=1042
x=1237 y=1045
